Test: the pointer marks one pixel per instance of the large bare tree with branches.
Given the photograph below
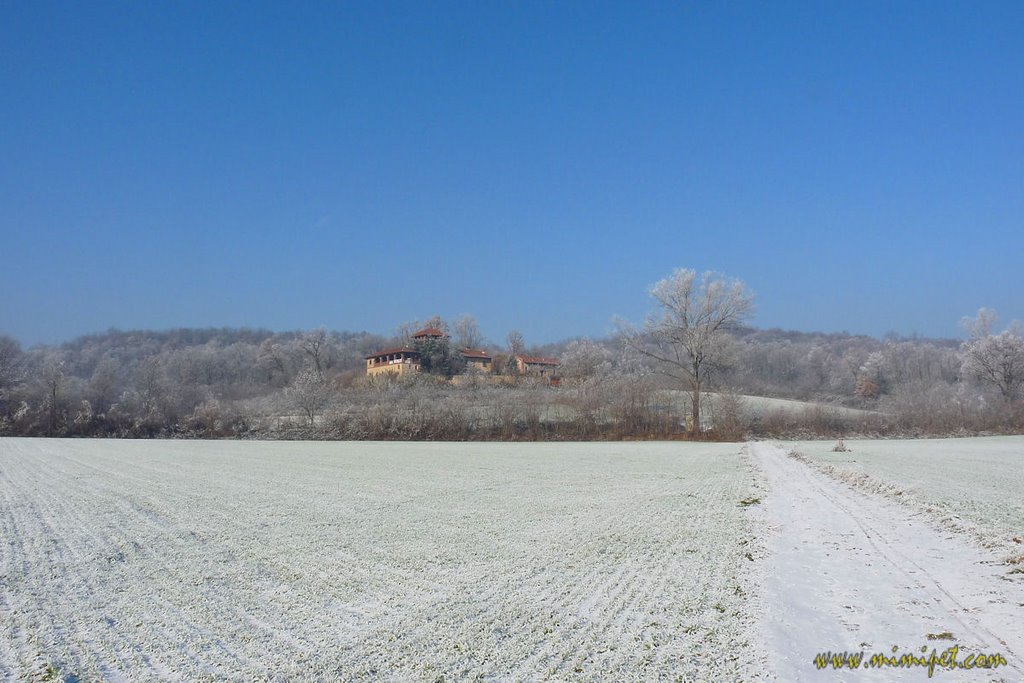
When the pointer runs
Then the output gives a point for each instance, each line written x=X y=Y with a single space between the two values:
x=467 y=334
x=688 y=333
x=315 y=345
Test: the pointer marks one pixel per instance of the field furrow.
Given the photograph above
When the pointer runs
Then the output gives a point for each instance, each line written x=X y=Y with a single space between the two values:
x=273 y=561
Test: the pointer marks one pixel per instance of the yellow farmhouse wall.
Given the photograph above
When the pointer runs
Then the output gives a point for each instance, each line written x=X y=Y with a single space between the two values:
x=395 y=368
x=479 y=363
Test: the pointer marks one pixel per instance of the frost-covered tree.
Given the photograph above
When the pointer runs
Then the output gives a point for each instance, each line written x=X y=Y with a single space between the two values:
x=980 y=326
x=871 y=379
x=11 y=366
x=582 y=358
x=309 y=394
x=149 y=382
x=273 y=362
x=102 y=384
x=53 y=377
x=994 y=359
x=688 y=333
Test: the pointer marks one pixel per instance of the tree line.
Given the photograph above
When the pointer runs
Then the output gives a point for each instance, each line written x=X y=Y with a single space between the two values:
x=686 y=369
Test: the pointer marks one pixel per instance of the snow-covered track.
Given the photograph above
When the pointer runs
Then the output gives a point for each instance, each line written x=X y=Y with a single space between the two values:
x=850 y=572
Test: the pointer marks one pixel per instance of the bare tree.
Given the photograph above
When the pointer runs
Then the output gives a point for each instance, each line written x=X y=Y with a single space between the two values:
x=516 y=346
x=436 y=322
x=314 y=345
x=404 y=332
x=467 y=334
x=515 y=342
x=688 y=333
x=53 y=376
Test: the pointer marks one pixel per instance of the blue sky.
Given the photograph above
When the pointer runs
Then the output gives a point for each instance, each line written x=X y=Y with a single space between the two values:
x=859 y=165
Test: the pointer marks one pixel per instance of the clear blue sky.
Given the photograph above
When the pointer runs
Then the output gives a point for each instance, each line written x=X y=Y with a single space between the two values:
x=860 y=165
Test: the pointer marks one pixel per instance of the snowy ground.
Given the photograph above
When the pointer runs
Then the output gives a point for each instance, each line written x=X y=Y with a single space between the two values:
x=763 y=405
x=140 y=560
x=850 y=571
x=189 y=560
x=760 y=406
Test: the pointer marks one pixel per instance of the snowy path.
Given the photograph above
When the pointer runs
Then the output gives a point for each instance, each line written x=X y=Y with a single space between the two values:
x=852 y=572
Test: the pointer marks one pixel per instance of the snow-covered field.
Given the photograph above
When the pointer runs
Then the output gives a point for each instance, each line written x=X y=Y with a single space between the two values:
x=190 y=560
x=140 y=560
x=761 y=406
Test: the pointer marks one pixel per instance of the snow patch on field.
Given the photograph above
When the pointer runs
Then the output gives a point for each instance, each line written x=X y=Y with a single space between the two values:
x=760 y=406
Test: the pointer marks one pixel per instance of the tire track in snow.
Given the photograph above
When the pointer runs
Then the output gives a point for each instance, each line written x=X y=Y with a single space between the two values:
x=849 y=571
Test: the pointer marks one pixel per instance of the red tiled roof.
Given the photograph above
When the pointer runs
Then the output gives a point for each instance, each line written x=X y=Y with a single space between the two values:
x=386 y=352
x=538 y=360
x=428 y=332
x=476 y=353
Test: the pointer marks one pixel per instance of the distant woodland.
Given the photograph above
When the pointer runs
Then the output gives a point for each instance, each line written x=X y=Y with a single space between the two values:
x=243 y=383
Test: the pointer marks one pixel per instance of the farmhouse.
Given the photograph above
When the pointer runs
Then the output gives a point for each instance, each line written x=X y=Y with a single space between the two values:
x=536 y=365
x=405 y=359
x=397 y=361
x=477 y=359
